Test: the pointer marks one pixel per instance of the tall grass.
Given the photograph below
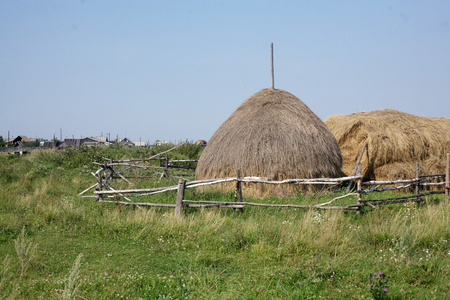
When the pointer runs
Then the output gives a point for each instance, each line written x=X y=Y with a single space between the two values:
x=72 y=284
x=25 y=249
x=134 y=253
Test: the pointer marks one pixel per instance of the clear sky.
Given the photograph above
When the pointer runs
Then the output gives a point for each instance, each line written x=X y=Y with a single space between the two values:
x=175 y=70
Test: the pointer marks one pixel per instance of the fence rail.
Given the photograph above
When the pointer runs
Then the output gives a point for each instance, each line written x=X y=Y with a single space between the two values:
x=104 y=191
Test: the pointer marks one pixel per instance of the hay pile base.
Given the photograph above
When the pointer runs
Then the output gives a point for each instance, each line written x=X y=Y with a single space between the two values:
x=265 y=190
x=395 y=142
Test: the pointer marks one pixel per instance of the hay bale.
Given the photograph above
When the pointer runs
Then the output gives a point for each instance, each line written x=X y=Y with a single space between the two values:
x=272 y=134
x=395 y=142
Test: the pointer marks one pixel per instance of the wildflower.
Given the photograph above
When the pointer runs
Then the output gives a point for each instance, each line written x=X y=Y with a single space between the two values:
x=378 y=285
x=300 y=284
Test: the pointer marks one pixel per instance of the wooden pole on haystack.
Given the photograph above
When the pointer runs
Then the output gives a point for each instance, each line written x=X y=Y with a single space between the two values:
x=447 y=177
x=271 y=65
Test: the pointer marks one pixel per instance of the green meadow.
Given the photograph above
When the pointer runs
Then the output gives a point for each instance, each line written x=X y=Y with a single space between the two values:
x=56 y=244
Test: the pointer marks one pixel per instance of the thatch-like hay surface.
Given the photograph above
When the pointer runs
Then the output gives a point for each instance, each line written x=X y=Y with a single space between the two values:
x=272 y=134
x=396 y=141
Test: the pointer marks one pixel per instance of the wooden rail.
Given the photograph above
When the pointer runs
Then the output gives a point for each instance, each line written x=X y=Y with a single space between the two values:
x=418 y=183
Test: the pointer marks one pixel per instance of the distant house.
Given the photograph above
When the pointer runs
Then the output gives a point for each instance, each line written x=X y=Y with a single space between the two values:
x=126 y=142
x=161 y=143
x=90 y=141
x=48 y=144
x=71 y=143
x=100 y=139
x=87 y=141
x=23 y=141
x=140 y=144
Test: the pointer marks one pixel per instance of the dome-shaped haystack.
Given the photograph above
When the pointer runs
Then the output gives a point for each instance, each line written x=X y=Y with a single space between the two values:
x=395 y=142
x=272 y=134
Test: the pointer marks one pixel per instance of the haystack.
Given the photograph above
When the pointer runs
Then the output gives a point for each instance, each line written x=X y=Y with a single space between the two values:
x=272 y=134
x=395 y=142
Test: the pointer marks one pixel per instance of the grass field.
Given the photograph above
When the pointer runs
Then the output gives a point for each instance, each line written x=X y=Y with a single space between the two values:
x=55 y=244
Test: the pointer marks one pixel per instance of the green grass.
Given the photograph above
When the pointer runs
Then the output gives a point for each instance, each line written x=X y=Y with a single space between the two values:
x=264 y=253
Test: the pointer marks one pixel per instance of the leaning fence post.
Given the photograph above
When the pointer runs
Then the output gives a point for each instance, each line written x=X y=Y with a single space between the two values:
x=358 y=163
x=180 y=197
x=447 y=177
x=238 y=193
x=358 y=189
x=418 y=183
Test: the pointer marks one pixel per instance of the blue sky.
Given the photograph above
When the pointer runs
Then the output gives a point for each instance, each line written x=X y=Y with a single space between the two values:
x=175 y=70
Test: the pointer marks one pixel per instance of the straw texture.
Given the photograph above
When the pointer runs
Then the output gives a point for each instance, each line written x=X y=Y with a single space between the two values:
x=272 y=134
x=396 y=141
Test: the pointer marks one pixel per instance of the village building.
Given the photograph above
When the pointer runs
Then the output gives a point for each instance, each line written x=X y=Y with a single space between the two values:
x=23 y=141
x=86 y=141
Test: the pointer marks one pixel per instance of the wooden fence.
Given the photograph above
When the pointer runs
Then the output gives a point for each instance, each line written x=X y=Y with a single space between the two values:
x=420 y=184
x=160 y=170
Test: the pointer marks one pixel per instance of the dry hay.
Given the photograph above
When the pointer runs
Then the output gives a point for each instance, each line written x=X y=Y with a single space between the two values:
x=272 y=134
x=395 y=142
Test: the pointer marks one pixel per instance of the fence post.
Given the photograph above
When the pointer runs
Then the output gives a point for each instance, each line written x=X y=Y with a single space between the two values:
x=180 y=197
x=418 y=183
x=358 y=162
x=358 y=189
x=238 y=192
x=447 y=178
x=166 y=167
x=99 y=187
x=111 y=170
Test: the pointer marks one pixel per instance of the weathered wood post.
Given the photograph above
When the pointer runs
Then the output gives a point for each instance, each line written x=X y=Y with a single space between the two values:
x=166 y=166
x=99 y=187
x=358 y=189
x=447 y=178
x=111 y=170
x=418 y=183
x=238 y=192
x=180 y=197
x=358 y=163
